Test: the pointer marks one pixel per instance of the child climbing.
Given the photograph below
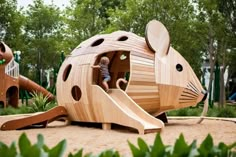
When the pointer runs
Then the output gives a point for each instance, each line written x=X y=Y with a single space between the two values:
x=103 y=66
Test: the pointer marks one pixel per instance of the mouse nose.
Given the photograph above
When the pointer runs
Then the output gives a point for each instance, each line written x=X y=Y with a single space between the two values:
x=205 y=95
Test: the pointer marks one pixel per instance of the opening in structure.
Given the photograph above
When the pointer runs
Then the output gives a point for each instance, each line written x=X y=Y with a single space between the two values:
x=119 y=67
x=12 y=96
x=66 y=72
x=123 y=38
x=76 y=93
x=97 y=42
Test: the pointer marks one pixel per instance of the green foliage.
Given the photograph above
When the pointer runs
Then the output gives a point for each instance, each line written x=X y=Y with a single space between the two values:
x=40 y=103
x=11 y=24
x=11 y=110
x=182 y=149
x=106 y=153
x=43 y=37
x=227 y=111
x=158 y=149
x=39 y=149
x=26 y=149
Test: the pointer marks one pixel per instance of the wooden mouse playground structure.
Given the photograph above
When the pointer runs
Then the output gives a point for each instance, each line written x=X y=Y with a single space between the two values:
x=158 y=79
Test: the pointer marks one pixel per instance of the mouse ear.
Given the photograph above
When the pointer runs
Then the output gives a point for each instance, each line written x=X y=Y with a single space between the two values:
x=6 y=52
x=157 y=38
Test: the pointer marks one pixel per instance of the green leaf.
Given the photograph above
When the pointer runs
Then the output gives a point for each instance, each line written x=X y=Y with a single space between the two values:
x=2 y=145
x=232 y=145
x=193 y=149
x=58 y=150
x=135 y=151
x=142 y=145
x=88 y=155
x=36 y=152
x=109 y=153
x=8 y=151
x=206 y=146
x=40 y=142
x=223 y=149
x=45 y=148
x=181 y=148
x=158 y=149
x=24 y=145
x=78 y=154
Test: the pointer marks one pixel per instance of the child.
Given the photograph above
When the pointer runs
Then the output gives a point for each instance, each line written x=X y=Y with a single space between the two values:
x=103 y=66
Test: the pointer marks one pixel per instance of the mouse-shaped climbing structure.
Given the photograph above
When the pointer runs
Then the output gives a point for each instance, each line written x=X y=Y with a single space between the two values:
x=158 y=79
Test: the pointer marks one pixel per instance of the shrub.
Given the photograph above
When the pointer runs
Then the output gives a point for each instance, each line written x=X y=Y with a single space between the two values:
x=227 y=111
x=191 y=111
x=182 y=149
x=158 y=149
x=40 y=103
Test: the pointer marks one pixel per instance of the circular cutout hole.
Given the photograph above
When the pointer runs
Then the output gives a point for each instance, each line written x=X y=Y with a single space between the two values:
x=97 y=42
x=123 y=38
x=66 y=72
x=76 y=93
x=179 y=67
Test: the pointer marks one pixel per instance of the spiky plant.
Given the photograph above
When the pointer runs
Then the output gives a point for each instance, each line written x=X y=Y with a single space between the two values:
x=40 y=102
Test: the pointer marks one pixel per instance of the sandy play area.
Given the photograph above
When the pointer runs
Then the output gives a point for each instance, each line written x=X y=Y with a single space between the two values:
x=95 y=140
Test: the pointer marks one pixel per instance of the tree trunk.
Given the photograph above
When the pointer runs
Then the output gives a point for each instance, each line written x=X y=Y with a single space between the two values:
x=222 y=88
x=222 y=72
x=212 y=59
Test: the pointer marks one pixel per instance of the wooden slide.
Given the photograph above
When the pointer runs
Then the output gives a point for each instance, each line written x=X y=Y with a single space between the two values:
x=137 y=117
x=39 y=120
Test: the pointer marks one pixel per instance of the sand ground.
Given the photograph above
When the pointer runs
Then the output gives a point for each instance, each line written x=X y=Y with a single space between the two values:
x=96 y=140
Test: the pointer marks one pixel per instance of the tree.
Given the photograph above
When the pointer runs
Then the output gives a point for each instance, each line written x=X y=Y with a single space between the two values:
x=216 y=34
x=228 y=9
x=11 y=24
x=86 y=18
x=43 y=35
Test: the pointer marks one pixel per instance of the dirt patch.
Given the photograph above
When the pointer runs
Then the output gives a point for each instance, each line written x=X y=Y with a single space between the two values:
x=95 y=140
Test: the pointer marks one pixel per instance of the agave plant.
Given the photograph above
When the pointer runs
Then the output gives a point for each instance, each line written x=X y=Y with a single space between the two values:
x=40 y=103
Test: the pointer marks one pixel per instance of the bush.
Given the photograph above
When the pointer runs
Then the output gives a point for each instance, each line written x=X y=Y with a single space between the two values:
x=227 y=111
x=11 y=110
x=158 y=149
x=191 y=111
x=182 y=149
x=40 y=103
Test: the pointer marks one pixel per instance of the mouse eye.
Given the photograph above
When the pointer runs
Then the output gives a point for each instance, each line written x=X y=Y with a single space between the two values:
x=179 y=67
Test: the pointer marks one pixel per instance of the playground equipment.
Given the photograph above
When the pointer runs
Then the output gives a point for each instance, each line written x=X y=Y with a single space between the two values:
x=12 y=81
x=158 y=79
